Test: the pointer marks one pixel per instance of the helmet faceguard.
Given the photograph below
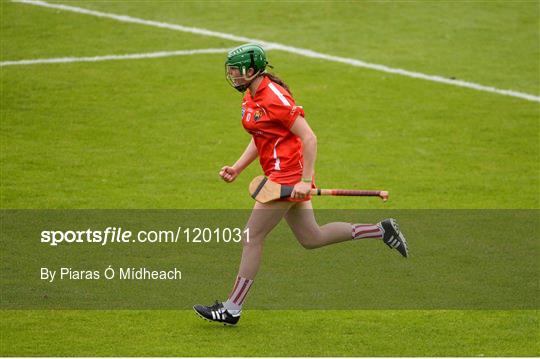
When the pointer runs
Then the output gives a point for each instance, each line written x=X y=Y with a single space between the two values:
x=238 y=78
x=240 y=60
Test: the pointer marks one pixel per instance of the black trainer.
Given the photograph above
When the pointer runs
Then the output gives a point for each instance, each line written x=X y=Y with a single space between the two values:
x=393 y=237
x=216 y=313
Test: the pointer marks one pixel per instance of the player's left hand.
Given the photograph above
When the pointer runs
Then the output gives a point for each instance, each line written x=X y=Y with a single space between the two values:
x=301 y=190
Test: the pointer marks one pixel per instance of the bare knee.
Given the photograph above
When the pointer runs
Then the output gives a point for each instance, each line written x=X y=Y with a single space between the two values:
x=309 y=244
x=310 y=240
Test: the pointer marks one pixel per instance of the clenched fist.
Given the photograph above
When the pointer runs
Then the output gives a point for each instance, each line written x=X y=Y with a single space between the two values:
x=228 y=174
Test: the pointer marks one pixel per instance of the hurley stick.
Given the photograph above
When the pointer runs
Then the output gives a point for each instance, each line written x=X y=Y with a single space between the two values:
x=263 y=190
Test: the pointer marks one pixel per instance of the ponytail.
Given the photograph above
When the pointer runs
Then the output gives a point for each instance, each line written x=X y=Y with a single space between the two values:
x=279 y=81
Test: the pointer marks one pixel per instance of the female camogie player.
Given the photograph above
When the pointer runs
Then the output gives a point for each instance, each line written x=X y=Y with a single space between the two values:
x=287 y=148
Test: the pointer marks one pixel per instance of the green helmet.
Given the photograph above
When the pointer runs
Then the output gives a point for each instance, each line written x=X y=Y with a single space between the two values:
x=243 y=58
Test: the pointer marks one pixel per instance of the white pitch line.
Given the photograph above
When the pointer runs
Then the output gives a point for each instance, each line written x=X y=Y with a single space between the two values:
x=290 y=49
x=150 y=55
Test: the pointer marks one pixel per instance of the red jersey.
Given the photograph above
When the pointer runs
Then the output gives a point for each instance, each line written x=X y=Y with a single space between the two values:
x=268 y=117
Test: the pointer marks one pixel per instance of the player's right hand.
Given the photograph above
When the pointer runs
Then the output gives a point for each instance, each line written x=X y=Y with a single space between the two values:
x=228 y=174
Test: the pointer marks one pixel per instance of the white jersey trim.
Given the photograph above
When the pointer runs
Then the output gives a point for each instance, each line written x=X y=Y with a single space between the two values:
x=279 y=94
x=277 y=166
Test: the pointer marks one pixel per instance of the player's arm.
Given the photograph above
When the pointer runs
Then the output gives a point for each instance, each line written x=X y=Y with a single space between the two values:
x=229 y=173
x=309 y=141
x=249 y=155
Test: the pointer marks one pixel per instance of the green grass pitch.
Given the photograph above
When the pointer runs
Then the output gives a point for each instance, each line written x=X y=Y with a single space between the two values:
x=152 y=134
